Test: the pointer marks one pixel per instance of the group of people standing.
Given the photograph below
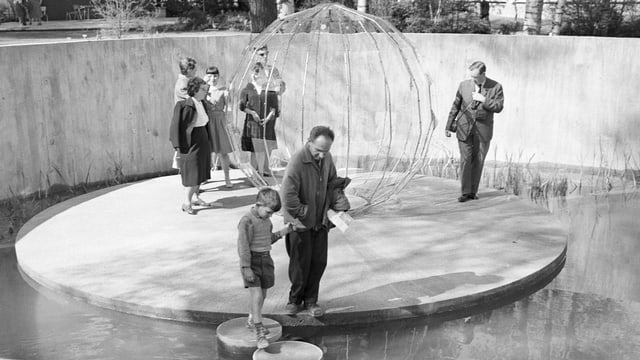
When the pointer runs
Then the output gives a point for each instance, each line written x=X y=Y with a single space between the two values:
x=28 y=11
x=198 y=130
x=310 y=186
x=198 y=126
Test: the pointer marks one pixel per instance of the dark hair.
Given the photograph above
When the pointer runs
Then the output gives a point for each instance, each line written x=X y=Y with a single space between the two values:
x=186 y=64
x=194 y=85
x=270 y=198
x=321 y=130
x=478 y=65
x=213 y=70
x=263 y=47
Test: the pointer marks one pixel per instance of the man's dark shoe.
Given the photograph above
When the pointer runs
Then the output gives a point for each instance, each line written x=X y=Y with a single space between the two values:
x=464 y=197
x=292 y=309
x=315 y=310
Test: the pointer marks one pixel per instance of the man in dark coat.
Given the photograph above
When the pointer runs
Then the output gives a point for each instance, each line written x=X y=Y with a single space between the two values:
x=306 y=197
x=476 y=101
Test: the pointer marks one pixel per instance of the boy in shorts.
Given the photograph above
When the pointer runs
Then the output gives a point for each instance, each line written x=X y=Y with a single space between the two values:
x=255 y=237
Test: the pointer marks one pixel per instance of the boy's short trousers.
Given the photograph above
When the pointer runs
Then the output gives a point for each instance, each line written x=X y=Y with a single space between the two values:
x=263 y=271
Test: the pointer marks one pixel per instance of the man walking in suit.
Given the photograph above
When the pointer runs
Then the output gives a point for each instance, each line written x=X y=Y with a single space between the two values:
x=471 y=118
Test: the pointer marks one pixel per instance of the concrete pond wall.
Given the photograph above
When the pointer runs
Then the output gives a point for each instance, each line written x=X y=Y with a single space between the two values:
x=91 y=110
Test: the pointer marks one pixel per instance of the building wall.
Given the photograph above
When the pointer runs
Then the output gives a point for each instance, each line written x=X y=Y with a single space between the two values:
x=107 y=110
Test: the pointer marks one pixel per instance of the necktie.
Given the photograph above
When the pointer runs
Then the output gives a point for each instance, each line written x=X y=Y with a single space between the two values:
x=475 y=103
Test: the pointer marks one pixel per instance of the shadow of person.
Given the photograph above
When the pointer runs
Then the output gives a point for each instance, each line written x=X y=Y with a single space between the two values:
x=409 y=293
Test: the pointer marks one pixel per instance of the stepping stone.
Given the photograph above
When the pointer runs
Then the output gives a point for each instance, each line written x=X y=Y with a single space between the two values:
x=235 y=338
x=289 y=350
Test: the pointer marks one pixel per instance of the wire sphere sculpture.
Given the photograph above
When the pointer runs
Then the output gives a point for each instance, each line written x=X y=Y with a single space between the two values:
x=348 y=70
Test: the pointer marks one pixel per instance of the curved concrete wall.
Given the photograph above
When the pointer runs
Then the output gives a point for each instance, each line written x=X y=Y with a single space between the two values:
x=90 y=110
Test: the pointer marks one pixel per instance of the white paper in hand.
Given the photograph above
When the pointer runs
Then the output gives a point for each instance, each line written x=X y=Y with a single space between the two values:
x=341 y=219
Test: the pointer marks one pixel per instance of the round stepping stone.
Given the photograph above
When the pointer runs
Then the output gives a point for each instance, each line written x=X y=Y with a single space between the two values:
x=289 y=350
x=235 y=338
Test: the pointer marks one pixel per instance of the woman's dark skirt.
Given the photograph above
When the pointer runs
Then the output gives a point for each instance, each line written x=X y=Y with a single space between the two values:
x=199 y=142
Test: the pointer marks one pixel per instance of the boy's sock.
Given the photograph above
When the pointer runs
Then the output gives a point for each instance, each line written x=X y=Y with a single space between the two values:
x=264 y=329
x=261 y=336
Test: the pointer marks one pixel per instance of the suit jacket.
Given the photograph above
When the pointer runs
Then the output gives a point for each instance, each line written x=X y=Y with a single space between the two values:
x=184 y=116
x=482 y=116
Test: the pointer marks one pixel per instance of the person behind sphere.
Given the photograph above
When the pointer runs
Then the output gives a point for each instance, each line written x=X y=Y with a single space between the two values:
x=477 y=99
x=271 y=95
x=191 y=132
x=255 y=238
x=258 y=134
x=187 y=72
x=35 y=13
x=218 y=98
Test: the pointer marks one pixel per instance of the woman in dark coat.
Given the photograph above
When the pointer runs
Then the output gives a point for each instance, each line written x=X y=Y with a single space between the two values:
x=261 y=107
x=190 y=135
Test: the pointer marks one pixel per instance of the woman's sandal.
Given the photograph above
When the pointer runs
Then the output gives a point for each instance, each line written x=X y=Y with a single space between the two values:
x=188 y=209
x=199 y=202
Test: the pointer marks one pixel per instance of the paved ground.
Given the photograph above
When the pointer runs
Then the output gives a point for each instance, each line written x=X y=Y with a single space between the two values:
x=423 y=253
x=13 y=33
x=59 y=25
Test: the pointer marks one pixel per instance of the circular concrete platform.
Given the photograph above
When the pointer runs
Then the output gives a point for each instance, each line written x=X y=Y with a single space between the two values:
x=235 y=337
x=420 y=254
x=289 y=350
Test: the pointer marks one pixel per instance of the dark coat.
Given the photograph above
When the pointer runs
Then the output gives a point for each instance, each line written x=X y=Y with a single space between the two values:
x=305 y=189
x=482 y=116
x=184 y=115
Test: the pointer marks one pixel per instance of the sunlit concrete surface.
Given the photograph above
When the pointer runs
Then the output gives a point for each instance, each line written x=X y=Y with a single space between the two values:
x=420 y=254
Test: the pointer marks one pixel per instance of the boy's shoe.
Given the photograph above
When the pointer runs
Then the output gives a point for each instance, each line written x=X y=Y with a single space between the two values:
x=315 y=310
x=261 y=336
x=252 y=326
x=292 y=309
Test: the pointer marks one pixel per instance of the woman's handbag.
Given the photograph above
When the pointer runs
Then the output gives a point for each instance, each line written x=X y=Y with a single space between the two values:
x=188 y=164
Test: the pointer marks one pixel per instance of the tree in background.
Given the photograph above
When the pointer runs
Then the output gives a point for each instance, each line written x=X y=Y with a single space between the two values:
x=123 y=15
x=261 y=14
x=558 y=15
x=440 y=16
x=533 y=17
x=601 y=18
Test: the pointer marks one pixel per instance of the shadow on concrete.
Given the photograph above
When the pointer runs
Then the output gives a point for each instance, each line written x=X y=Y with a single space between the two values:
x=410 y=292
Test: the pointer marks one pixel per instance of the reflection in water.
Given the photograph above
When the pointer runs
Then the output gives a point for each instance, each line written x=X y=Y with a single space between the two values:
x=551 y=324
x=603 y=249
x=591 y=311
x=33 y=326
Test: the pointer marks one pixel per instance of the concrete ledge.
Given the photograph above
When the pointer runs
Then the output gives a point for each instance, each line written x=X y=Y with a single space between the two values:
x=420 y=254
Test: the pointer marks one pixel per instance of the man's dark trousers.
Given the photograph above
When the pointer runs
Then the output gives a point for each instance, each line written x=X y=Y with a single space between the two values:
x=473 y=152
x=307 y=260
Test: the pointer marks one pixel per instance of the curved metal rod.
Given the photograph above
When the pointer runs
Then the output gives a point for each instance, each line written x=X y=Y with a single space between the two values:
x=347 y=64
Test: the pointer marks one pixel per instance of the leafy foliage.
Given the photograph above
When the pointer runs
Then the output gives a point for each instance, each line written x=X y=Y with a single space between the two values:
x=601 y=18
x=122 y=15
x=445 y=16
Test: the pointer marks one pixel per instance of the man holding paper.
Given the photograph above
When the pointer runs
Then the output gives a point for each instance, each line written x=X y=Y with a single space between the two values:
x=307 y=194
